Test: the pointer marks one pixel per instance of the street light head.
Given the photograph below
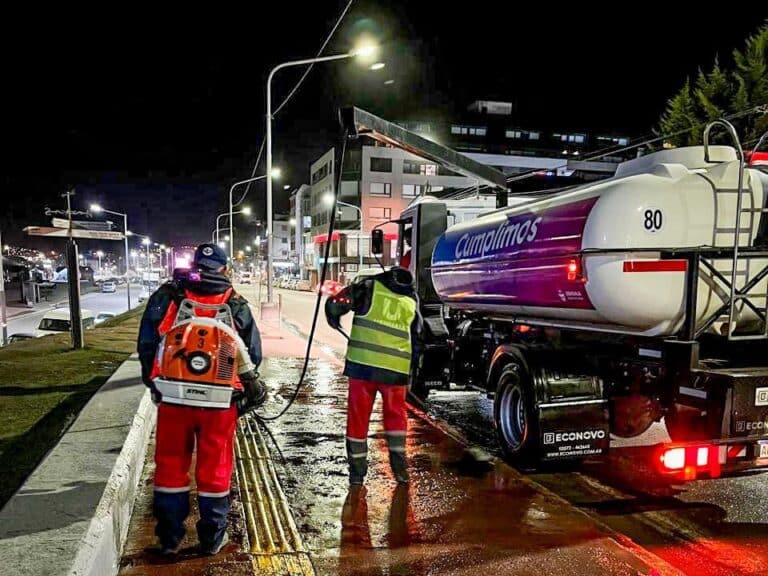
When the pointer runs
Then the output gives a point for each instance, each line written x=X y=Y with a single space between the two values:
x=246 y=210
x=222 y=244
x=96 y=208
x=146 y=241
x=99 y=253
x=292 y=221
x=276 y=173
x=128 y=233
x=328 y=199
x=286 y=186
x=365 y=50
x=162 y=246
x=226 y=238
x=247 y=248
x=378 y=66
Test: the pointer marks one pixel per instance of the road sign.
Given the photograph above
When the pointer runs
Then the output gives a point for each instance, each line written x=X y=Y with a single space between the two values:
x=82 y=224
x=52 y=232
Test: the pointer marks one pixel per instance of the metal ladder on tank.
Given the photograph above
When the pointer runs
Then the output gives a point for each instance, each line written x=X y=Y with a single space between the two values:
x=736 y=294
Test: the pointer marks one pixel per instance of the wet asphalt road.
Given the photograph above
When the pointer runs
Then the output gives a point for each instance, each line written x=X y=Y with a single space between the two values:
x=708 y=527
x=115 y=302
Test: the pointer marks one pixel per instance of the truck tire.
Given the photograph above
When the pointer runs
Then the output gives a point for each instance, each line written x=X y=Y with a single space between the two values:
x=517 y=429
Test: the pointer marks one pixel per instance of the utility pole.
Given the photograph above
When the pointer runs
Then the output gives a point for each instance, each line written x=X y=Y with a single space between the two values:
x=3 y=313
x=73 y=278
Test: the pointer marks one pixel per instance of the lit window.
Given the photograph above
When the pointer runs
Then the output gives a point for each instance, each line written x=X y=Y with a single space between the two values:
x=412 y=190
x=381 y=189
x=579 y=138
x=533 y=135
x=455 y=129
x=623 y=141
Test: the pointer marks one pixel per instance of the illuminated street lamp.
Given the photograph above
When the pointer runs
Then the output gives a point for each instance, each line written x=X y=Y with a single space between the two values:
x=275 y=174
x=215 y=235
x=98 y=210
x=365 y=51
x=100 y=255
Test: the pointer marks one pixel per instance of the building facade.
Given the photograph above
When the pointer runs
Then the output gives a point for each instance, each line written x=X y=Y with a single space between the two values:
x=378 y=182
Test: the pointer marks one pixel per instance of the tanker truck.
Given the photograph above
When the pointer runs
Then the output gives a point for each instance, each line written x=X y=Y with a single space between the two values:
x=591 y=313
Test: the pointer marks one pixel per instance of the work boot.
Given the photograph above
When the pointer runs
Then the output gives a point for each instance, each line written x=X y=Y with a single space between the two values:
x=170 y=550
x=399 y=466
x=216 y=549
x=357 y=459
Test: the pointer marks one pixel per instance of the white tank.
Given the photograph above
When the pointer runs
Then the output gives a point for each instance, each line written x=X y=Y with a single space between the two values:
x=533 y=260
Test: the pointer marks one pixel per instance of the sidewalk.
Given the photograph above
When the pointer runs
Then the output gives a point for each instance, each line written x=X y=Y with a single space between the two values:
x=263 y=536
x=70 y=515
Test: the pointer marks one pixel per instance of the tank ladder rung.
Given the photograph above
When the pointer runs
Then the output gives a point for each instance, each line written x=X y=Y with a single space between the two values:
x=737 y=230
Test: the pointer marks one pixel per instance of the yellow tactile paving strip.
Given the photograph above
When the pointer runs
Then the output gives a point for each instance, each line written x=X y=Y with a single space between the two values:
x=274 y=539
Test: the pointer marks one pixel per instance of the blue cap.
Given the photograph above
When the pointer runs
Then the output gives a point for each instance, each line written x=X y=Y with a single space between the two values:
x=210 y=256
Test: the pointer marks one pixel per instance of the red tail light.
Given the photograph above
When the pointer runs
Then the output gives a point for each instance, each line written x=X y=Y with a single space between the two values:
x=688 y=462
x=574 y=271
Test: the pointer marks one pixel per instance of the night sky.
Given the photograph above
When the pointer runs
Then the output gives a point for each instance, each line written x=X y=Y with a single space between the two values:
x=136 y=96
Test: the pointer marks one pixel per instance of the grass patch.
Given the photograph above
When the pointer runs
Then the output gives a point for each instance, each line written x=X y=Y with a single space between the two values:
x=43 y=386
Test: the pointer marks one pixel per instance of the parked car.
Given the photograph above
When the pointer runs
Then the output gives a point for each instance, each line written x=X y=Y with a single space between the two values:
x=57 y=320
x=109 y=286
x=20 y=337
x=245 y=278
x=104 y=316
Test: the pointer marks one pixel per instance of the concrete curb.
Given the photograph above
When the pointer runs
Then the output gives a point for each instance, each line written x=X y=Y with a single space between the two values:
x=102 y=545
x=71 y=516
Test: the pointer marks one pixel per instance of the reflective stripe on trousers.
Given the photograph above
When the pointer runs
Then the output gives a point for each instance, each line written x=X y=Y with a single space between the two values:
x=360 y=399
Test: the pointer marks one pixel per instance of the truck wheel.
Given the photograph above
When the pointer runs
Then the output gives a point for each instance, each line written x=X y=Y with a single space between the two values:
x=514 y=417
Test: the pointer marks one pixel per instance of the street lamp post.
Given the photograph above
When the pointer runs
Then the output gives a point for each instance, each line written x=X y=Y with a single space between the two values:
x=3 y=313
x=358 y=52
x=170 y=258
x=96 y=208
x=147 y=242
x=246 y=210
x=231 y=213
x=99 y=255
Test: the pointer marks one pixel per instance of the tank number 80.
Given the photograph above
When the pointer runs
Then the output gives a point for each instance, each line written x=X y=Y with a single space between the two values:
x=653 y=220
